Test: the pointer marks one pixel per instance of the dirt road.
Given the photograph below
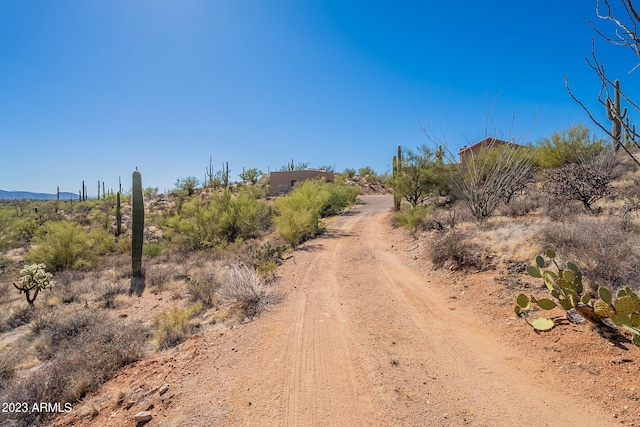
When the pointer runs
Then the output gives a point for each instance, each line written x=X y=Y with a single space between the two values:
x=360 y=339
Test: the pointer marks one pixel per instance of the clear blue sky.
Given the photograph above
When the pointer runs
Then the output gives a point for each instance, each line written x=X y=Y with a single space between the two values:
x=90 y=90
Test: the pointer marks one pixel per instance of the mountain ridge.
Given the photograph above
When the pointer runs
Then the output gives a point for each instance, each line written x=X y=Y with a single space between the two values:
x=28 y=195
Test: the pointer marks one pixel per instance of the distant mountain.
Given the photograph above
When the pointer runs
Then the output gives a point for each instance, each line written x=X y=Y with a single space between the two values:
x=20 y=195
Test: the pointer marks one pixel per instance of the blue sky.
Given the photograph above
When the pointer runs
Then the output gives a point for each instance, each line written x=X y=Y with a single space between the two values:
x=90 y=90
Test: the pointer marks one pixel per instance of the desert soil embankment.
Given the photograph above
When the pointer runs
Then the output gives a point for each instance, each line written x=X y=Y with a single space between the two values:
x=360 y=338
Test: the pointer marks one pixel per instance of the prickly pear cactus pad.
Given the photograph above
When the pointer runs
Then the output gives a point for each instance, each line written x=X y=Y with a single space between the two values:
x=568 y=293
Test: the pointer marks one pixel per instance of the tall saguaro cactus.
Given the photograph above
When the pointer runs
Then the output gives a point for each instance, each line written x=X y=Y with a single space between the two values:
x=616 y=116
x=396 y=172
x=225 y=174
x=137 y=229
x=118 y=215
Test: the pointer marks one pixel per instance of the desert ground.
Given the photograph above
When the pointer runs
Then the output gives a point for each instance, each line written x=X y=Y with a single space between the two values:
x=367 y=333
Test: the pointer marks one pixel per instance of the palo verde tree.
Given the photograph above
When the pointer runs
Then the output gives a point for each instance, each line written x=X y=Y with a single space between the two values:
x=567 y=146
x=419 y=176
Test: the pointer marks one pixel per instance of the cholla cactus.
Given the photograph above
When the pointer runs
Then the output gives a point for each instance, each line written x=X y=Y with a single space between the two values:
x=33 y=278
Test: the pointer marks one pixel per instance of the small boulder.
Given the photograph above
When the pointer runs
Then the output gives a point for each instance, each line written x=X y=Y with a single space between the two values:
x=142 y=417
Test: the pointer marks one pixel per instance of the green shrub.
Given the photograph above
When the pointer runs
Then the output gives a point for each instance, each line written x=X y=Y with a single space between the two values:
x=340 y=197
x=368 y=174
x=62 y=245
x=173 y=325
x=225 y=219
x=299 y=212
x=413 y=217
x=152 y=249
x=567 y=146
x=187 y=185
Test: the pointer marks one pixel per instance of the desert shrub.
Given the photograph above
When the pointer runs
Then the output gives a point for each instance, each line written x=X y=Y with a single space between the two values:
x=152 y=249
x=173 y=325
x=9 y=358
x=299 y=212
x=521 y=205
x=157 y=275
x=587 y=180
x=368 y=174
x=244 y=285
x=66 y=288
x=63 y=245
x=5 y=292
x=340 y=197
x=567 y=146
x=223 y=220
x=267 y=270
x=94 y=353
x=606 y=253
x=203 y=287
x=18 y=316
x=187 y=185
x=455 y=251
x=150 y=192
x=250 y=175
x=412 y=218
x=61 y=328
x=111 y=292
x=441 y=219
x=350 y=173
x=487 y=178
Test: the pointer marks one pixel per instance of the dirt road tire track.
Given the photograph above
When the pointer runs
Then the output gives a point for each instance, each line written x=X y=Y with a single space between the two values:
x=371 y=342
x=361 y=339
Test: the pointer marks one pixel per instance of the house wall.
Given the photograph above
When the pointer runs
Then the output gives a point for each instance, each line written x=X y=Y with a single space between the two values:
x=282 y=182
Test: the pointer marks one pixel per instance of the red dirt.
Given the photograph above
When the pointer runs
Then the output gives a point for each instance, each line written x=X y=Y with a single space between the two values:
x=368 y=335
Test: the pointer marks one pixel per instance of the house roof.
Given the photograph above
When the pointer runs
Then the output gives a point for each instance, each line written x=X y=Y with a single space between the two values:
x=488 y=141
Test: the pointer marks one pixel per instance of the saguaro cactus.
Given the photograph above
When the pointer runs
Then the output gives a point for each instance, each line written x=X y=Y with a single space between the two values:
x=225 y=174
x=137 y=229
x=118 y=215
x=397 y=171
x=616 y=116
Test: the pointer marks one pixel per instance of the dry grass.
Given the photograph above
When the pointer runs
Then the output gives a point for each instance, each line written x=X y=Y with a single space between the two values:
x=82 y=348
x=9 y=358
x=203 y=286
x=244 y=285
x=606 y=250
x=174 y=325
x=455 y=250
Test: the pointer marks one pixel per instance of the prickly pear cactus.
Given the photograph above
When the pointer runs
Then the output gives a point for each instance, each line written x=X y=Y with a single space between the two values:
x=565 y=286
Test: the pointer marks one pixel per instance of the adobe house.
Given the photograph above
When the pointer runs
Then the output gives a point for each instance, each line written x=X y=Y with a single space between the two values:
x=283 y=182
x=466 y=152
